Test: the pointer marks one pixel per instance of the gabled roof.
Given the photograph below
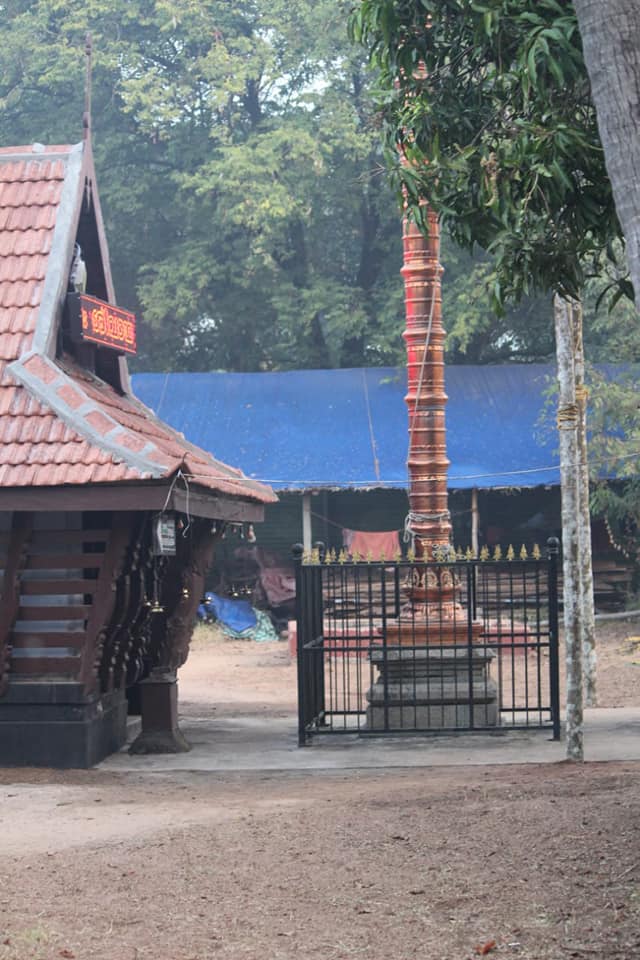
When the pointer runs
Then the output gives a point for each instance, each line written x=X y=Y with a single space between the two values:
x=347 y=429
x=60 y=424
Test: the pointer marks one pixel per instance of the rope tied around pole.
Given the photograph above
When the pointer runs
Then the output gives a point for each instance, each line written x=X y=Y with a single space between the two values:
x=582 y=394
x=411 y=518
x=567 y=418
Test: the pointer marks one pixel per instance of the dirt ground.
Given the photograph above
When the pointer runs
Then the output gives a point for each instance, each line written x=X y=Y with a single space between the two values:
x=537 y=862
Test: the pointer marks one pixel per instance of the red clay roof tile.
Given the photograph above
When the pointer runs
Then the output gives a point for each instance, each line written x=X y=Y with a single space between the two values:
x=131 y=441
x=71 y=396
x=39 y=368
x=37 y=447
x=25 y=267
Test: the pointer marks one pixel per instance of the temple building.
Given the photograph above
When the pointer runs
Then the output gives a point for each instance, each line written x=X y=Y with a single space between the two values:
x=108 y=517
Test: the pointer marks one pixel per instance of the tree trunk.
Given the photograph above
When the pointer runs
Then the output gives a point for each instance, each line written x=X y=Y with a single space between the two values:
x=611 y=40
x=587 y=612
x=569 y=485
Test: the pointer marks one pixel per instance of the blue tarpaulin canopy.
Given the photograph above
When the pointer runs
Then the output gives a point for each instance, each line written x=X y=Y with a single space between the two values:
x=310 y=429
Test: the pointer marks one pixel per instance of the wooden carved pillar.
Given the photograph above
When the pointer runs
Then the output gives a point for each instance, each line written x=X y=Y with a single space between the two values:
x=108 y=610
x=182 y=588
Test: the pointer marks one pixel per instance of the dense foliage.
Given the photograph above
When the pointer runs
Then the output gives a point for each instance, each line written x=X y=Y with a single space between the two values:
x=240 y=166
x=489 y=104
x=239 y=171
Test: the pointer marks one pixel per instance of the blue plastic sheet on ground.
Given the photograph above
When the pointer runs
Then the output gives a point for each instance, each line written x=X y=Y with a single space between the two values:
x=239 y=615
x=237 y=618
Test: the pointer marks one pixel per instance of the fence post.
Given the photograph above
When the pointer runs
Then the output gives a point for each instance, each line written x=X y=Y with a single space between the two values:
x=317 y=627
x=553 y=546
x=470 y=614
x=298 y=551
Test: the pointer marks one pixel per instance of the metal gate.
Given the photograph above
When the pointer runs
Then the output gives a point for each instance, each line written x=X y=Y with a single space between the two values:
x=502 y=671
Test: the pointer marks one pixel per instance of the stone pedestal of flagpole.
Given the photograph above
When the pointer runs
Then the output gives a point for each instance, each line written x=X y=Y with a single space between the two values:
x=432 y=688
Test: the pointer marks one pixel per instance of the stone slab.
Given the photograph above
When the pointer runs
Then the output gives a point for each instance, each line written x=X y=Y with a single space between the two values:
x=49 y=732
x=421 y=688
x=445 y=716
x=229 y=745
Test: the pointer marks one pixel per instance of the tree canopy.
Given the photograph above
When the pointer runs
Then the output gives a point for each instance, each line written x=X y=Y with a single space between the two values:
x=241 y=171
x=238 y=166
x=488 y=105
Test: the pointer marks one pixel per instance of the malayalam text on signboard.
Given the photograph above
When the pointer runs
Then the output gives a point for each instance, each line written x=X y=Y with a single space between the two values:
x=106 y=325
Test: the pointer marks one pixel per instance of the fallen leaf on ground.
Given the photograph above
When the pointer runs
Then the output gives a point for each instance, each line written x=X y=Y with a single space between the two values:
x=486 y=948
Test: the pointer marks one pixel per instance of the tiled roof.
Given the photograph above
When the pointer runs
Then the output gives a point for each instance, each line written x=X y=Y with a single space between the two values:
x=59 y=424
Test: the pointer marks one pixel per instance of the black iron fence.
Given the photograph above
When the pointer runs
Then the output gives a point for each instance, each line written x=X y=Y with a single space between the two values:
x=400 y=647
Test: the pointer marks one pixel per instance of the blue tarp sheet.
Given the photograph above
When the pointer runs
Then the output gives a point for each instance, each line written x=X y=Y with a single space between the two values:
x=348 y=428
x=237 y=614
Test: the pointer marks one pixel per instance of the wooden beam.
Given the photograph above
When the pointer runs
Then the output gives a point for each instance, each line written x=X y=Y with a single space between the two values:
x=37 y=588
x=45 y=666
x=38 y=641
x=64 y=561
x=59 y=612
x=47 y=537
x=215 y=508
x=75 y=498
x=151 y=495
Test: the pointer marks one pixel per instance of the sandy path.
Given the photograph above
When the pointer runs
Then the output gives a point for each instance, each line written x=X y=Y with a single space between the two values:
x=431 y=864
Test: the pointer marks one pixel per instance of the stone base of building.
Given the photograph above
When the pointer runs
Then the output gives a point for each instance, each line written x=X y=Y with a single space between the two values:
x=45 y=724
x=426 y=688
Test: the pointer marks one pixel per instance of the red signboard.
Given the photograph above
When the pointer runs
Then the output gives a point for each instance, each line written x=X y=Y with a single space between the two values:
x=106 y=325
